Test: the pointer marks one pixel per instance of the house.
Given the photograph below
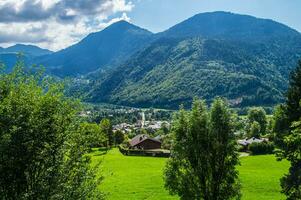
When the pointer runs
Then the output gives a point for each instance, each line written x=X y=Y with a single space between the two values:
x=246 y=142
x=144 y=142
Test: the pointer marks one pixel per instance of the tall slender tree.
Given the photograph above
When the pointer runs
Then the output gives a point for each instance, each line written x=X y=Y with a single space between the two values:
x=202 y=166
x=287 y=120
x=294 y=95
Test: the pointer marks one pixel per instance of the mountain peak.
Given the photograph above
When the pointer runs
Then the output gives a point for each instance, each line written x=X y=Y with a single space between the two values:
x=227 y=25
x=27 y=49
x=125 y=26
x=110 y=46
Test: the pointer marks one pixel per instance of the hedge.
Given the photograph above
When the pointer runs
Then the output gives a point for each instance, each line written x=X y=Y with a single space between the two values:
x=261 y=148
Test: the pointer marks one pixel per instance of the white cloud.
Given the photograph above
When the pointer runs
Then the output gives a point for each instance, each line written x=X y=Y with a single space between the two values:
x=56 y=24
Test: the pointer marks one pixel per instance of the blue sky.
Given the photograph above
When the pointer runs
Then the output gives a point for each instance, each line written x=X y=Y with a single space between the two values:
x=57 y=24
x=158 y=15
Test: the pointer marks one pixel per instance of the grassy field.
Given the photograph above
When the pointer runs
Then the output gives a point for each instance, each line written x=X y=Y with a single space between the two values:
x=137 y=178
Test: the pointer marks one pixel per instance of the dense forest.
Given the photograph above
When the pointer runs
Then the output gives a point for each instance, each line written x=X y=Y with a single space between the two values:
x=249 y=65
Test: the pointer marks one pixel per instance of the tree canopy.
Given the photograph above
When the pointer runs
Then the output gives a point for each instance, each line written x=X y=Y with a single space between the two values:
x=41 y=151
x=287 y=127
x=202 y=165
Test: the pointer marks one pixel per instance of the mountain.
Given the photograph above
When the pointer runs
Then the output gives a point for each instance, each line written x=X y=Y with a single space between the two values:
x=243 y=58
x=226 y=25
x=30 y=50
x=10 y=55
x=108 y=47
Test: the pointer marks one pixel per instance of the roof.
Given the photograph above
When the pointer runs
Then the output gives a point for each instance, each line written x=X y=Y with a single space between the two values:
x=250 y=141
x=140 y=138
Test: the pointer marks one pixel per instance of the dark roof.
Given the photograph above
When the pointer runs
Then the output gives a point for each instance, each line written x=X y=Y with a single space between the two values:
x=140 y=138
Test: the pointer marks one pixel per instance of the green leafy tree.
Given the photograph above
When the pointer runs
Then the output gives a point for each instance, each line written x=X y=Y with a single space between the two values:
x=204 y=156
x=287 y=129
x=255 y=130
x=291 y=182
x=41 y=150
x=92 y=135
x=119 y=137
x=106 y=128
x=280 y=127
x=258 y=115
x=294 y=95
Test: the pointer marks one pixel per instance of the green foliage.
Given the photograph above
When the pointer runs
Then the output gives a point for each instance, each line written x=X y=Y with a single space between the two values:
x=291 y=182
x=119 y=137
x=204 y=154
x=281 y=124
x=41 y=151
x=92 y=135
x=106 y=128
x=261 y=148
x=254 y=130
x=288 y=133
x=258 y=115
x=294 y=95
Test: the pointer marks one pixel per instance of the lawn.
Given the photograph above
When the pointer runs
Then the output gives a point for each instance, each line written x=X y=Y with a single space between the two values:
x=133 y=178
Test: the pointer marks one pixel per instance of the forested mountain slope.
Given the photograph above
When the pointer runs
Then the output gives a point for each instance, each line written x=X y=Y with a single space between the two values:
x=240 y=57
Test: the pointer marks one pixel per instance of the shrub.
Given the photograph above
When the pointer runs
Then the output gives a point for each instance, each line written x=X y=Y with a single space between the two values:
x=261 y=148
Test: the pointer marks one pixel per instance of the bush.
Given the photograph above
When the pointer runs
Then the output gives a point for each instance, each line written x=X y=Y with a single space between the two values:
x=261 y=148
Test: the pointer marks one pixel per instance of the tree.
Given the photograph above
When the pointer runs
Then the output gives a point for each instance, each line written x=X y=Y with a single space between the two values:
x=41 y=151
x=92 y=135
x=119 y=137
x=281 y=125
x=294 y=95
x=106 y=128
x=258 y=115
x=291 y=182
x=202 y=165
x=255 y=130
x=287 y=127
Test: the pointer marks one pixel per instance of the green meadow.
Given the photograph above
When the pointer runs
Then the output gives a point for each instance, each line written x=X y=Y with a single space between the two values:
x=137 y=178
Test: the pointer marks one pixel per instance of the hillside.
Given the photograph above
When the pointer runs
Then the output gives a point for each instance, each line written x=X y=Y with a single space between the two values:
x=30 y=50
x=10 y=55
x=240 y=57
x=108 y=47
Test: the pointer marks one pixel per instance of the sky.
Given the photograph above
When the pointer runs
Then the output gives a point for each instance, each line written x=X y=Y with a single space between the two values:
x=57 y=24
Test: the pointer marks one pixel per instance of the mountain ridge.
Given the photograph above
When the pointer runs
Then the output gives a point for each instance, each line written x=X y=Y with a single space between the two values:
x=110 y=46
x=177 y=67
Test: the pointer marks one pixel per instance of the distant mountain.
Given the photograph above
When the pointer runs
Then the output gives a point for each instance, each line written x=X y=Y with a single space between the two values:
x=9 y=56
x=240 y=57
x=108 y=47
x=226 y=25
x=30 y=50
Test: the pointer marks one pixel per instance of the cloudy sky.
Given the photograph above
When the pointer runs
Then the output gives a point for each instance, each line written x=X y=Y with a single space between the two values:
x=56 y=24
